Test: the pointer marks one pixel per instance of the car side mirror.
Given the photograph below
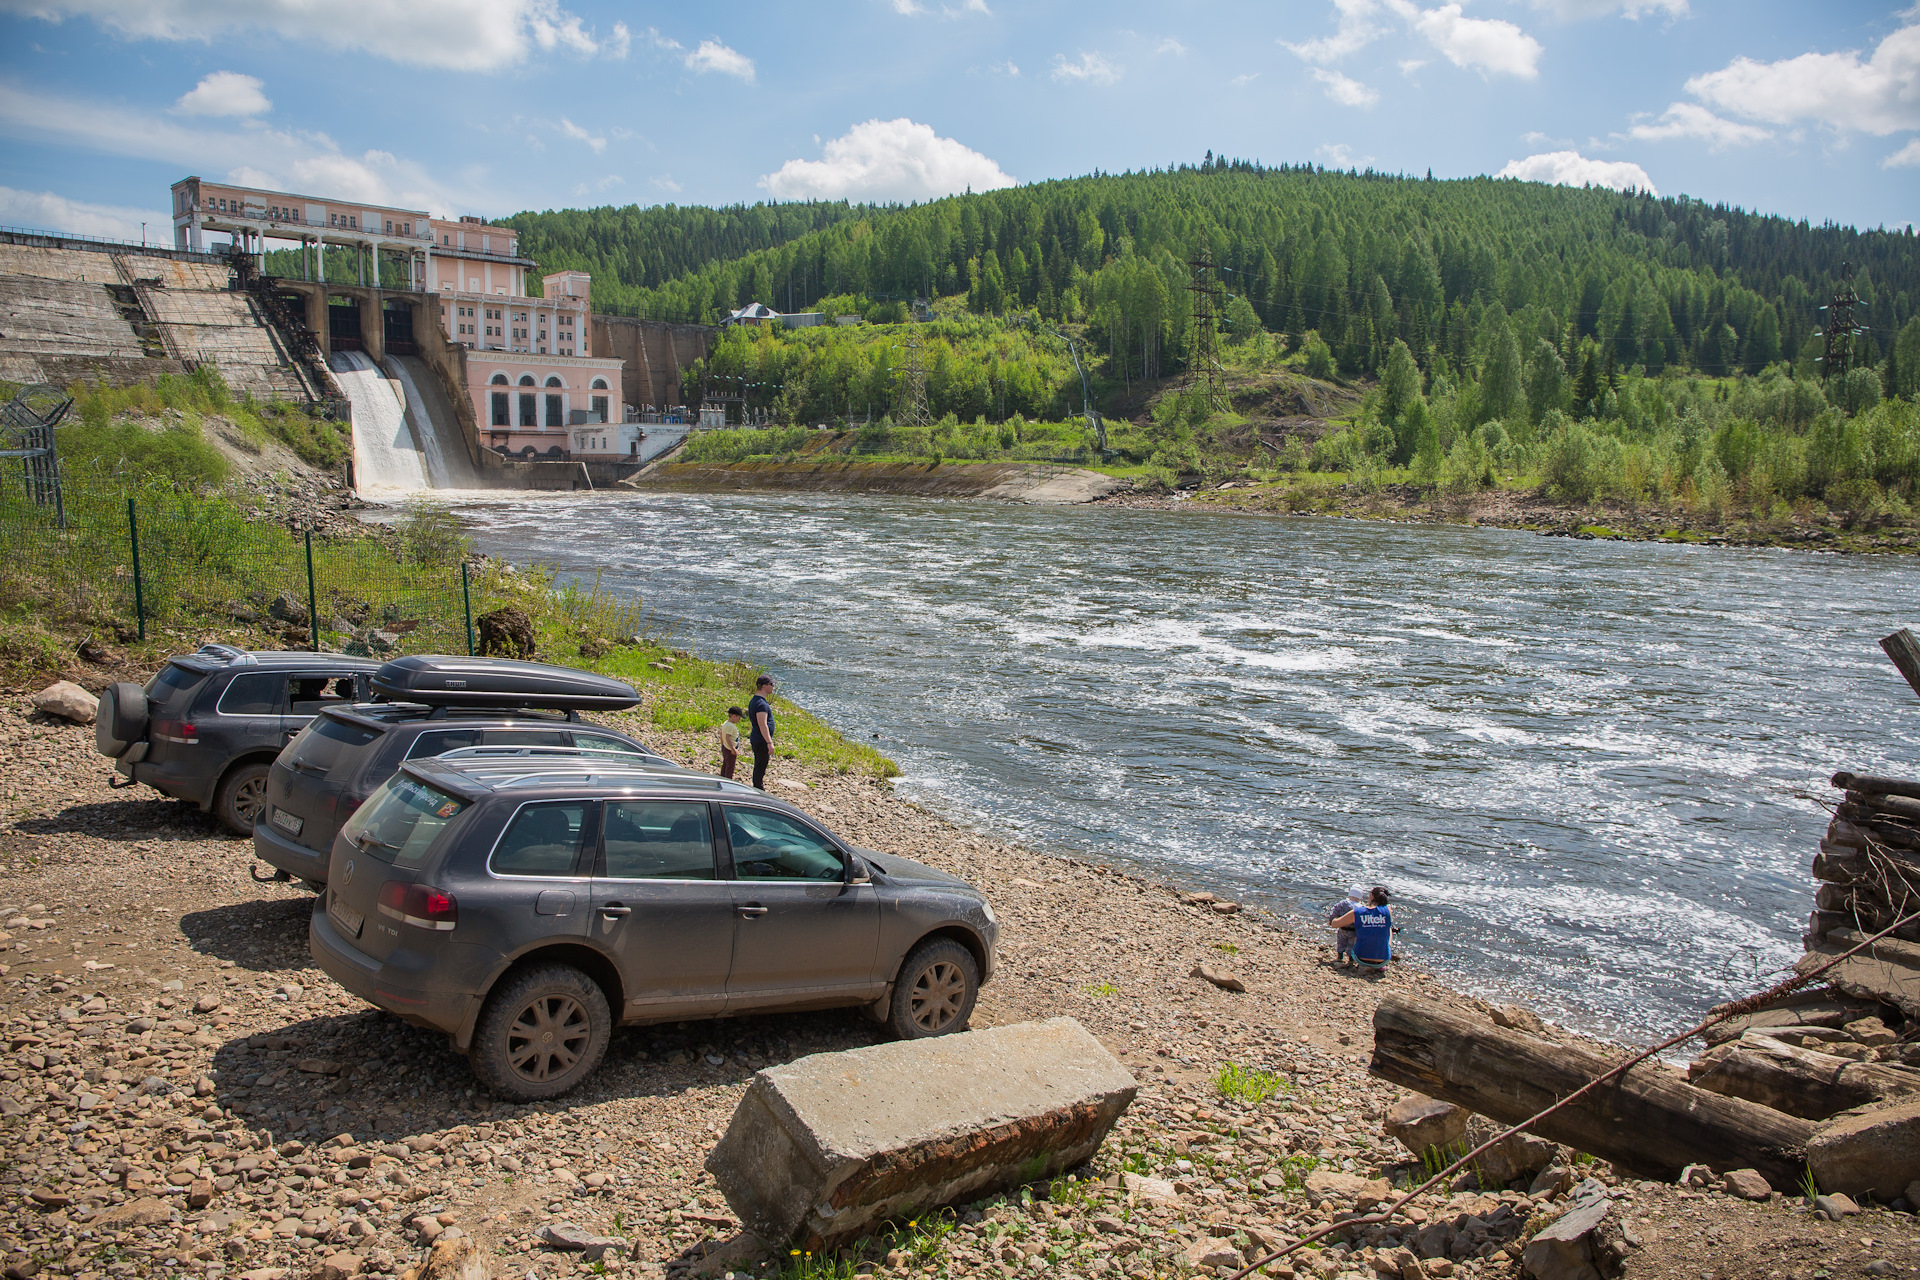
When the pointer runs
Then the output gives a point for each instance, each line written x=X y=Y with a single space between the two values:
x=858 y=872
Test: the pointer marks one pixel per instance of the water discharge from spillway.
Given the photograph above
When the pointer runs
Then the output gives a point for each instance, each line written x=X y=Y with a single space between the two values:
x=386 y=457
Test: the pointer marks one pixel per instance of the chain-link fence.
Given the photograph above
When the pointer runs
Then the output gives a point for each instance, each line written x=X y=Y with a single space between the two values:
x=137 y=562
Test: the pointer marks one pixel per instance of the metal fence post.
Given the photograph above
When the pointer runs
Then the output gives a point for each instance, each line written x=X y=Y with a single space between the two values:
x=466 y=602
x=139 y=592
x=313 y=601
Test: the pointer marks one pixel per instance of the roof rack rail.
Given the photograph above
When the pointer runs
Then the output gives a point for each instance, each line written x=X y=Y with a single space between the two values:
x=227 y=654
x=508 y=752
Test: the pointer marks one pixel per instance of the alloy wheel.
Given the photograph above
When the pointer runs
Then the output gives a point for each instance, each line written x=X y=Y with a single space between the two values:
x=937 y=995
x=548 y=1037
x=250 y=799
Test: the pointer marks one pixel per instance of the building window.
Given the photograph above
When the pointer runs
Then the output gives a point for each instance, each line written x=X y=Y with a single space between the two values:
x=556 y=416
x=600 y=407
x=527 y=418
x=500 y=415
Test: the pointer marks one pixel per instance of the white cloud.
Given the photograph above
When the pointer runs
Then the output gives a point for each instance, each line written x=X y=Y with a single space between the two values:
x=461 y=35
x=886 y=160
x=664 y=182
x=1908 y=155
x=1356 y=30
x=594 y=188
x=47 y=211
x=1009 y=69
x=1092 y=68
x=711 y=55
x=289 y=160
x=1243 y=80
x=1486 y=45
x=1339 y=155
x=1690 y=120
x=1573 y=10
x=1410 y=65
x=578 y=134
x=913 y=9
x=225 y=93
x=1571 y=169
x=1879 y=96
x=1345 y=90
x=1169 y=45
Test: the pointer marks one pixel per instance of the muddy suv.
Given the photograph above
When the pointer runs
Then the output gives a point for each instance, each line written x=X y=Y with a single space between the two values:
x=209 y=723
x=528 y=907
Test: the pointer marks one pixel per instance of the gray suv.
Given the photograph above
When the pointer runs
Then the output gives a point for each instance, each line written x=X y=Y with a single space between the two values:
x=208 y=724
x=528 y=906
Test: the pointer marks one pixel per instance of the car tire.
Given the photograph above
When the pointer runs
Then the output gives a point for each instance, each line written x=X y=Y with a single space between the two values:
x=542 y=1032
x=935 y=992
x=241 y=798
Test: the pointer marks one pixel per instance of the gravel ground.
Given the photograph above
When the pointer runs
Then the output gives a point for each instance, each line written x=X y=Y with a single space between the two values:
x=184 y=1093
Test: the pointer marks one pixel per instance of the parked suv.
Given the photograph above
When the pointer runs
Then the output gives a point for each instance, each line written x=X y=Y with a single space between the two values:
x=504 y=705
x=527 y=907
x=208 y=724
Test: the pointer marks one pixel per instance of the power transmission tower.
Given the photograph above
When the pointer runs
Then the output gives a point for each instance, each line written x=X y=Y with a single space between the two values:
x=1202 y=362
x=1841 y=330
x=913 y=385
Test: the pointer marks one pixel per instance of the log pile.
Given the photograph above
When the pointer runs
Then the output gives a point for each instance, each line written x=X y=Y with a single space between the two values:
x=1869 y=873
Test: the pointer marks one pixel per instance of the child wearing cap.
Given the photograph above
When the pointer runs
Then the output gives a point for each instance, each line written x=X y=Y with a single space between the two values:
x=730 y=741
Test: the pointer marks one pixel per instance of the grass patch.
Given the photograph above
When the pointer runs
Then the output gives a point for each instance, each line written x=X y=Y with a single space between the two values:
x=1227 y=948
x=1249 y=1085
x=1102 y=990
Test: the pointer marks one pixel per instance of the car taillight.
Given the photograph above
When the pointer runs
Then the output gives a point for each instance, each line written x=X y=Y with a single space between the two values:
x=419 y=905
x=175 y=731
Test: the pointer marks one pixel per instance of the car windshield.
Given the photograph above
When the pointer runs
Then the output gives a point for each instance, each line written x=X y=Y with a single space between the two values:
x=400 y=821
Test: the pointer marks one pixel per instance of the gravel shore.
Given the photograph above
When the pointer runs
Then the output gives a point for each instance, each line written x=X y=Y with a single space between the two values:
x=184 y=1093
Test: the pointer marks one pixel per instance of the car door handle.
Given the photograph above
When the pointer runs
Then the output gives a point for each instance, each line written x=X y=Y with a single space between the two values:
x=614 y=911
x=753 y=913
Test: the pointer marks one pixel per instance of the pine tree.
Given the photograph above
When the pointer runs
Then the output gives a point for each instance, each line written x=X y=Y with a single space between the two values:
x=1586 y=388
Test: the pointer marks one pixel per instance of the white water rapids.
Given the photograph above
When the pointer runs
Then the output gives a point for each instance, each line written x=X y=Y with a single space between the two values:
x=385 y=454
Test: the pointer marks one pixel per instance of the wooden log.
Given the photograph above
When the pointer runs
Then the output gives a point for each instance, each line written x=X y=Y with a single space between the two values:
x=1650 y=1121
x=1848 y=864
x=1816 y=1008
x=1905 y=652
x=1883 y=827
x=1843 y=831
x=1800 y=1082
x=1875 y=782
x=1905 y=808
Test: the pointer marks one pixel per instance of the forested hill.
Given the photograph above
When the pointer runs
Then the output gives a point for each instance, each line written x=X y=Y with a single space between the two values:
x=1361 y=258
x=632 y=249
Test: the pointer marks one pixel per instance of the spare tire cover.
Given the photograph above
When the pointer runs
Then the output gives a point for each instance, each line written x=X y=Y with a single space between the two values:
x=122 y=720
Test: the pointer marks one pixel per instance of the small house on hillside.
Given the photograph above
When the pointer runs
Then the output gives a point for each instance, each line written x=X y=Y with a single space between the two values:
x=754 y=313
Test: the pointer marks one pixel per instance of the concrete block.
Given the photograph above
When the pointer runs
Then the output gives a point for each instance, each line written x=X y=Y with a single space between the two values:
x=1873 y=1152
x=822 y=1150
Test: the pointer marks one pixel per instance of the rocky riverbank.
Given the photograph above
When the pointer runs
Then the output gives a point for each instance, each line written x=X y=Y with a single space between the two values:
x=1043 y=483
x=183 y=1093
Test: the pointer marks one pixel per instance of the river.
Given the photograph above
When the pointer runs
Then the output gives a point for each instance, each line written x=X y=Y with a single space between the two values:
x=1590 y=772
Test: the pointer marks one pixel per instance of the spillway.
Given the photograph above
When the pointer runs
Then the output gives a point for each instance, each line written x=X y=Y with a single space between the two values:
x=436 y=431
x=385 y=455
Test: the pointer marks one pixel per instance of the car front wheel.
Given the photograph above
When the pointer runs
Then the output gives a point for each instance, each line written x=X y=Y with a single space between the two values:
x=936 y=990
x=242 y=800
x=543 y=1031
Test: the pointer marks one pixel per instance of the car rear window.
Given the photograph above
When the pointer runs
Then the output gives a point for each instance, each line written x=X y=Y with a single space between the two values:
x=401 y=819
x=542 y=840
x=325 y=742
x=258 y=694
x=173 y=685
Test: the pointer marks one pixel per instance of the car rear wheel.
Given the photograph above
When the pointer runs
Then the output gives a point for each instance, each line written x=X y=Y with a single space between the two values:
x=242 y=798
x=935 y=992
x=543 y=1031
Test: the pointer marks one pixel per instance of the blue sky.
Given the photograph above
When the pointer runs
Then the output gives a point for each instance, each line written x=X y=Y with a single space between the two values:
x=492 y=106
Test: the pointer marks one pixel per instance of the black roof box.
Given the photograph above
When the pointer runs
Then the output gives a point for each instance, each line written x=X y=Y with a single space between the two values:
x=446 y=680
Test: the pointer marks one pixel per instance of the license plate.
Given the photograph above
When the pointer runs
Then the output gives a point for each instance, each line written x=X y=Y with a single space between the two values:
x=344 y=916
x=287 y=822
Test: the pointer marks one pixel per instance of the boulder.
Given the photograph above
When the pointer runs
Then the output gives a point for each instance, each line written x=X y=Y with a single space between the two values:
x=506 y=633
x=1518 y=1155
x=1747 y=1184
x=1913 y=1194
x=1585 y=1244
x=1151 y=1190
x=67 y=700
x=339 y=1266
x=823 y=1149
x=1212 y=1254
x=144 y=1211
x=570 y=1238
x=285 y=608
x=456 y=1259
x=1873 y=1152
x=1225 y=979
x=1517 y=1018
x=1422 y=1123
x=1835 y=1206
x=1328 y=1185
x=1553 y=1181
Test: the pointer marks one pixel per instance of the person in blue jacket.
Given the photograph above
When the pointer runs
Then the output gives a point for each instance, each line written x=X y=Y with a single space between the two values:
x=1372 y=925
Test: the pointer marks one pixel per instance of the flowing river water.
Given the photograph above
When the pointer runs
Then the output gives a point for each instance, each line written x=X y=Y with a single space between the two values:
x=1591 y=772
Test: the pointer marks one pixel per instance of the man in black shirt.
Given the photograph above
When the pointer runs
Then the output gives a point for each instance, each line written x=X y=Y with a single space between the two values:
x=760 y=738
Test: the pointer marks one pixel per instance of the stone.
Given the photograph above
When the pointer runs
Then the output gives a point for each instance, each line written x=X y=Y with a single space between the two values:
x=67 y=700
x=145 y=1211
x=200 y=1193
x=1225 y=979
x=1553 y=1181
x=1422 y=1123
x=574 y=1239
x=823 y=1149
x=1399 y=1262
x=426 y=1228
x=506 y=633
x=1584 y=1244
x=1747 y=1184
x=50 y=1199
x=1696 y=1175
x=285 y=608
x=339 y=1266
x=1515 y=1018
x=1871 y=1031
x=1324 y=1185
x=458 y=1259
x=1226 y=908
x=1213 y=1253
x=1873 y=1152
x=1151 y=1190
x=1835 y=1205
x=1518 y=1155
x=1913 y=1194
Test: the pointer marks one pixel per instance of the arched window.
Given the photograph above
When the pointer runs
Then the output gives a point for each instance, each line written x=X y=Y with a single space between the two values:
x=526 y=380
x=599 y=384
x=499 y=380
x=554 y=381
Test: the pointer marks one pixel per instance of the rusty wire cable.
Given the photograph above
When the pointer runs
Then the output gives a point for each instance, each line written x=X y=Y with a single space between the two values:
x=1719 y=1014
